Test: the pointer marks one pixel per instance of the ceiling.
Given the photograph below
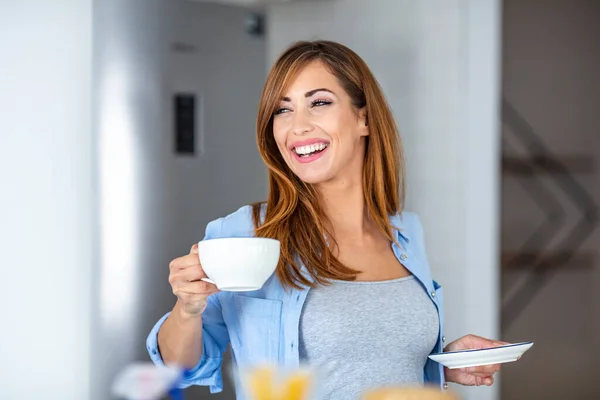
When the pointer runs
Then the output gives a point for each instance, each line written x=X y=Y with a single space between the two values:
x=244 y=2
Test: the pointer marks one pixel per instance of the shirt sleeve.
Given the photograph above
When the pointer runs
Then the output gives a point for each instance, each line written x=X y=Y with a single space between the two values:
x=215 y=339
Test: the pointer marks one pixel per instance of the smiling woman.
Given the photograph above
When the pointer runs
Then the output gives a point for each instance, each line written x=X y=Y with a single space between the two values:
x=324 y=127
x=320 y=117
x=352 y=294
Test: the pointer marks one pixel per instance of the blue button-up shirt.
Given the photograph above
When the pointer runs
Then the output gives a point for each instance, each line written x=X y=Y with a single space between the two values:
x=262 y=326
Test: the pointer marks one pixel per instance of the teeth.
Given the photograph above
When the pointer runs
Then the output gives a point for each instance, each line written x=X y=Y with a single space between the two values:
x=304 y=150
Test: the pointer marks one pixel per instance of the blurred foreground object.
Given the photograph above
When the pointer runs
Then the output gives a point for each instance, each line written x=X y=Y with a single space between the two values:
x=409 y=394
x=267 y=383
x=146 y=381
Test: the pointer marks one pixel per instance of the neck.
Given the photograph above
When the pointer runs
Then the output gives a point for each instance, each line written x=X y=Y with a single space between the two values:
x=344 y=206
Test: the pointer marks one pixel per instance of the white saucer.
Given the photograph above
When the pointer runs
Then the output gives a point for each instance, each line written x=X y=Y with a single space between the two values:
x=477 y=357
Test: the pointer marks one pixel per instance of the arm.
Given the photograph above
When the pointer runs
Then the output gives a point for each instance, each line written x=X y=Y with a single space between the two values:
x=193 y=335
x=180 y=338
x=213 y=339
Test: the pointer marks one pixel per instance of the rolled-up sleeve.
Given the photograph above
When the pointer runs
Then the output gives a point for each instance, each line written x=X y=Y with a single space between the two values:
x=214 y=342
x=215 y=339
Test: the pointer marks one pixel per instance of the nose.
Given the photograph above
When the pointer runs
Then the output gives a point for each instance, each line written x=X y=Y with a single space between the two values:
x=302 y=124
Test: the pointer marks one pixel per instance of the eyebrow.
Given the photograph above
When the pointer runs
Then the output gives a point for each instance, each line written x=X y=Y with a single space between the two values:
x=310 y=93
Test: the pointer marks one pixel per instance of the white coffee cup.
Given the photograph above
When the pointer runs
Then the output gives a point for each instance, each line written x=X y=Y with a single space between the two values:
x=239 y=264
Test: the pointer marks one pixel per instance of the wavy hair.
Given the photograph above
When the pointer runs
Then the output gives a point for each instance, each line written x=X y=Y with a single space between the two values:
x=294 y=214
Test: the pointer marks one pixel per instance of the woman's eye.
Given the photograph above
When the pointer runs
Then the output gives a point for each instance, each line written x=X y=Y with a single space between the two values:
x=319 y=103
x=281 y=110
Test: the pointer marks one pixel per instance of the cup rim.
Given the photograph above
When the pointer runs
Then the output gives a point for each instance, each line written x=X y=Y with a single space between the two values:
x=238 y=238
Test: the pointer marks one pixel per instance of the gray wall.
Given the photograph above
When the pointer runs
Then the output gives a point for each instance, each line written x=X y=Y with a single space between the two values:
x=437 y=61
x=227 y=68
x=47 y=199
x=156 y=204
x=551 y=62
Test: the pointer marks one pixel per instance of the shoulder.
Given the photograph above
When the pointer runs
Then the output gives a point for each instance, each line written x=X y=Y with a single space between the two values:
x=236 y=224
x=410 y=219
x=409 y=225
x=411 y=228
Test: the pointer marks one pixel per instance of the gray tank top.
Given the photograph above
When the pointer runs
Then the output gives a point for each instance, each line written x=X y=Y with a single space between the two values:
x=363 y=335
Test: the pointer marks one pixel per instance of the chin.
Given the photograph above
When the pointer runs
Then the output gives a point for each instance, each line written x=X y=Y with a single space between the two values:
x=313 y=178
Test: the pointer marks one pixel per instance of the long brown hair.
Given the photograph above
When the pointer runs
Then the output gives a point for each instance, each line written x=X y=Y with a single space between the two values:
x=294 y=215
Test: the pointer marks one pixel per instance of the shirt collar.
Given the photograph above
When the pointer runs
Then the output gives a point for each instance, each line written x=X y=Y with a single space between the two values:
x=399 y=227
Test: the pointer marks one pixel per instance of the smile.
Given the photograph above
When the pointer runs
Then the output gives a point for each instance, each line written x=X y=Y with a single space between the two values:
x=309 y=150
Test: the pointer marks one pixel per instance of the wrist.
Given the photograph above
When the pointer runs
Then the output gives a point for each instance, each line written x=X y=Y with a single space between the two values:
x=184 y=315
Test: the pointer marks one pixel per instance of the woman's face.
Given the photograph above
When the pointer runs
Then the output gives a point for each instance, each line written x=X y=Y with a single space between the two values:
x=320 y=134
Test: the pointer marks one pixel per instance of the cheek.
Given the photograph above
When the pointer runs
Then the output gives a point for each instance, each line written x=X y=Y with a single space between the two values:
x=279 y=134
x=340 y=123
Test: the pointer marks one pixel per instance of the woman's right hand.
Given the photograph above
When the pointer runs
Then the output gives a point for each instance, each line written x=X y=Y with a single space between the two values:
x=184 y=277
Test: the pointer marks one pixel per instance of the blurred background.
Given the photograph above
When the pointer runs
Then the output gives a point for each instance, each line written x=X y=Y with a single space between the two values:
x=127 y=125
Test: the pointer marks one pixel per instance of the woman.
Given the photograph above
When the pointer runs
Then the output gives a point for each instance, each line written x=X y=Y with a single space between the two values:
x=352 y=292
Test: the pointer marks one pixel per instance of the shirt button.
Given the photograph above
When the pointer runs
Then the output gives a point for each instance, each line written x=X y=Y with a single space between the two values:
x=443 y=339
x=445 y=386
x=403 y=256
x=432 y=294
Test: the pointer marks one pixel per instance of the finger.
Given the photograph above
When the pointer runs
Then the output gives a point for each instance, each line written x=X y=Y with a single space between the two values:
x=483 y=370
x=190 y=274
x=191 y=298
x=481 y=381
x=468 y=342
x=195 y=288
x=481 y=375
x=464 y=379
x=184 y=262
x=476 y=338
x=478 y=342
x=194 y=249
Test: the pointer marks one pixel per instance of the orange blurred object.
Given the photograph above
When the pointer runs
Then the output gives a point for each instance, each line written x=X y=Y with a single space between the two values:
x=409 y=394
x=267 y=383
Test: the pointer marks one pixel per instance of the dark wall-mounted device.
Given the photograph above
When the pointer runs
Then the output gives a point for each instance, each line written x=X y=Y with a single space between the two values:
x=184 y=114
x=255 y=24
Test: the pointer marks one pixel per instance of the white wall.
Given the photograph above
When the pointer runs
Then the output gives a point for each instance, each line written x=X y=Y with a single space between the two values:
x=94 y=202
x=47 y=203
x=131 y=137
x=437 y=61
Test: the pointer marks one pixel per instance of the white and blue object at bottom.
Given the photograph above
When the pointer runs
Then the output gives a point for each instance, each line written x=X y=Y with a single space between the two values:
x=146 y=381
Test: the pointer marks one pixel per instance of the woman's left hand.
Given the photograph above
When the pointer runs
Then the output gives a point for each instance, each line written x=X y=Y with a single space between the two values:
x=472 y=376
